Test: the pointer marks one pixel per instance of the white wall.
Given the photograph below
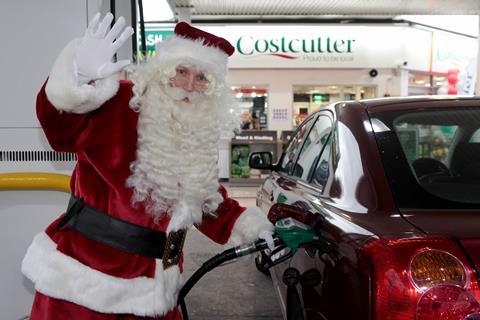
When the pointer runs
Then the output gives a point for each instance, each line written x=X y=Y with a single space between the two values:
x=33 y=33
x=23 y=214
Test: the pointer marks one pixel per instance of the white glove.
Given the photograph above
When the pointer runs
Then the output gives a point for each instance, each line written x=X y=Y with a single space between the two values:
x=93 y=56
x=267 y=236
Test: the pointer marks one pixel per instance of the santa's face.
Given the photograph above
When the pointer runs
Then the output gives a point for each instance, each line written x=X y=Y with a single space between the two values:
x=188 y=84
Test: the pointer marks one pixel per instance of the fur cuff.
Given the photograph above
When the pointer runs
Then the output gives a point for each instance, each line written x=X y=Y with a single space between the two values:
x=66 y=93
x=186 y=215
x=62 y=277
x=248 y=226
x=211 y=204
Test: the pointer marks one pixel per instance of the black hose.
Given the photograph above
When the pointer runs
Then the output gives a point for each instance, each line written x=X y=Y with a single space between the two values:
x=214 y=262
x=220 y=258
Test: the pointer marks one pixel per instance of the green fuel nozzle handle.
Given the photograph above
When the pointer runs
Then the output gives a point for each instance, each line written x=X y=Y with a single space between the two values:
x=294 y=233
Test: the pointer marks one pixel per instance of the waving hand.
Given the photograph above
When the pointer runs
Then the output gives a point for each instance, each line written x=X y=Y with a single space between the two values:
x=93 y=56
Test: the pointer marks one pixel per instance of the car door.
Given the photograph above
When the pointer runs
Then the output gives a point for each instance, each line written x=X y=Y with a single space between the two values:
x=303 y=160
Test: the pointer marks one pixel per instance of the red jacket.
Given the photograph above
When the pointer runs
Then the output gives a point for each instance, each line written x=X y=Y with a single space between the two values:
x=92 y=276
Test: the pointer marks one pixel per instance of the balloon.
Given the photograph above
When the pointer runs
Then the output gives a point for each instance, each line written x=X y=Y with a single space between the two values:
x=453 y=71
x=452 y=91
x=452 y=79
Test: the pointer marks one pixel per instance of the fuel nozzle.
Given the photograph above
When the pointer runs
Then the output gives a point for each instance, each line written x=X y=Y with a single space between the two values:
x=255 y=246
x=293 y=232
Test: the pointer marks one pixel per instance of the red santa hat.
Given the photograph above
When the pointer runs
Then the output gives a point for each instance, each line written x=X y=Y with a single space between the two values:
x=190 y=45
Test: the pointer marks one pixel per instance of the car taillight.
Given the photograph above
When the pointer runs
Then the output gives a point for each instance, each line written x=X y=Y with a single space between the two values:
x=447 y=302
x=416 y=277
x=431 y=267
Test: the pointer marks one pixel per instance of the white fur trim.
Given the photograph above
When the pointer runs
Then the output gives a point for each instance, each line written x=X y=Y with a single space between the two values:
x=211 y=204
x=177 y=49
x=248 y=226
x=185 y=216
x=60 y=276
x=64 y=91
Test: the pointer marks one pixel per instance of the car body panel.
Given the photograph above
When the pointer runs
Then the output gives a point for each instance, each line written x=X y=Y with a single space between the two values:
x=458 y=224
x=356 y=205
x=472 y=247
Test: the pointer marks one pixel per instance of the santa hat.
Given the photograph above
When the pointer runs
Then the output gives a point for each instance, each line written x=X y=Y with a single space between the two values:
x=190 y=45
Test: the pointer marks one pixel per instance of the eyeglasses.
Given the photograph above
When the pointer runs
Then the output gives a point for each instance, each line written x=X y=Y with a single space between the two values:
x=190 y=79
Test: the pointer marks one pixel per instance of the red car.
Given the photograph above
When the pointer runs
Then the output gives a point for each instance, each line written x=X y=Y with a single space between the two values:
x=392 y=186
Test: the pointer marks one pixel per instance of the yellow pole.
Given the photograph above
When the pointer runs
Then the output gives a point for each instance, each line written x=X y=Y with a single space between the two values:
x=35 y=181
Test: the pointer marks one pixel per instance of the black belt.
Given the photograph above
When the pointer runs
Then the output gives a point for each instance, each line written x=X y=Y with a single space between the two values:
x=122 y=235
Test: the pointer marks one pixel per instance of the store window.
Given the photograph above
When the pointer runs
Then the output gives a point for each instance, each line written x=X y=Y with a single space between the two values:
x=308 y=99
x=424 y=83
x=242 y=145
x=253 y=100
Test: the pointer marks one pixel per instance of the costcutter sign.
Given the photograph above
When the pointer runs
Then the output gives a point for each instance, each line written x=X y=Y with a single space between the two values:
x=307 y=46
x=289 y=48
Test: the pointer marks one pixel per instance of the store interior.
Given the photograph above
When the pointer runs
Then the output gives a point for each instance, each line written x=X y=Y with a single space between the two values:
x=425 y=83
x=253 y=104
x=308 y=99
x=255 y=136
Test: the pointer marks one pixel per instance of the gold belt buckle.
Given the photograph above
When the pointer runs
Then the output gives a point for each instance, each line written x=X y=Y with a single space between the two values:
x=173 y=248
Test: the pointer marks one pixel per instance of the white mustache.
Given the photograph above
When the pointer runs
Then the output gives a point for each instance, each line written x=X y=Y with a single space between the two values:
x=179 y=94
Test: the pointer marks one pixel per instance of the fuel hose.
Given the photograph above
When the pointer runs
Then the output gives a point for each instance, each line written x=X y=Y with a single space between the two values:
x=217 y=260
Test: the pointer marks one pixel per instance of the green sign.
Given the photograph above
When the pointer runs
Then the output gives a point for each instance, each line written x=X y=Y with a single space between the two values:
x=318 y=98
x=152 y=37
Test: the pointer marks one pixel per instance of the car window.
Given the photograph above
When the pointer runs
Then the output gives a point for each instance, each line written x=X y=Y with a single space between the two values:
x=432 y=157
x=322 y=170
x=423 y=140
x=314 y=143
x=293 y=149
x=475 y=137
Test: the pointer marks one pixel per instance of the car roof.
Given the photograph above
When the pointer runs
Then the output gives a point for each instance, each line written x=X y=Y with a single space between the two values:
x=395 y=100
x=399 y=103
x=394 y=103
x=427 y=101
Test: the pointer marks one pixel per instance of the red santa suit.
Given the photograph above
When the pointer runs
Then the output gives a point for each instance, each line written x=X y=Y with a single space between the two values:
x=79 y=278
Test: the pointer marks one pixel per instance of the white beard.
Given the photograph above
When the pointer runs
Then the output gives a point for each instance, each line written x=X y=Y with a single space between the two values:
x=176 y=171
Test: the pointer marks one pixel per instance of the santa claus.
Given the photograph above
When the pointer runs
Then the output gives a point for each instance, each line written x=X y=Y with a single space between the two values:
x=146 y=172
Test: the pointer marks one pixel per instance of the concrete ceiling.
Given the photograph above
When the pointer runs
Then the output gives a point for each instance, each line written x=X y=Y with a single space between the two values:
x=278 y=9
